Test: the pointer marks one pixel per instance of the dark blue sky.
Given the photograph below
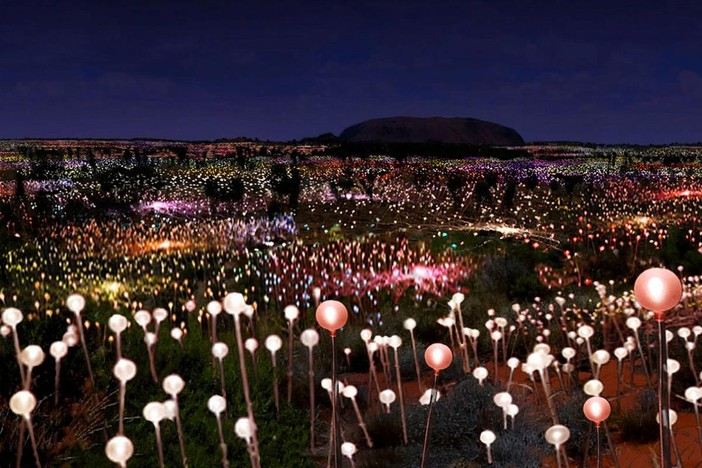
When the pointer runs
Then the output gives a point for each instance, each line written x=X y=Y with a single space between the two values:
x=615 y=71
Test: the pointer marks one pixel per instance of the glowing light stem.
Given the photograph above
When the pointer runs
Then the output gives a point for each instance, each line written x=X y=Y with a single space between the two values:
x=290 y=362
x=222 y=443
x=275 y=387
x=416 y=362
x=425 y=449
x=494 y=349
x=56 y=381
x=692 y=364
x=122 y=393
x=547 y=392
x=619 y=379
x=255 y=457
x=643 y=358
x=663 y=395
x=221 y=377
x=599 y=450
x=180 y=433
x=310 y=373
x=33 y=440
x=402 y=403
x=697 y=420
x=336 y=422
x=85 y=349
x=362 y=424
x=152 y=361
x=159 y=445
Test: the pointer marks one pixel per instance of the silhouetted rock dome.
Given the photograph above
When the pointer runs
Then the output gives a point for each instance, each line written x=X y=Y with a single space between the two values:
x=455 y=130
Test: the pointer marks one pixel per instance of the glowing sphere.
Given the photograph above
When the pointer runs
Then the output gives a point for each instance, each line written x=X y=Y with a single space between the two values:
x=409 y=324
x=177 y=333
x=154 y=412
x=173 y=384
x=480 y=373
x=291 y=313
x=251 y=345
x=273 y=343
x=593 y=387
x=585 y=331
x=502 y=399
x=58 y=350
x=245 y=428
x=350 y=391
x=309 y=338
x=438 y=356
x=124 y=370
x=75 y=303
x=220 y=350
x=395 y=341
x=620 y=353
x=23 y=403
x=160 y=314
x=513 y=363
x=117 y=323
x=331 y=315
x=487 y=437
x=600 y=357
x=142 y=318
x=568 y=353
x=119 y=449
x=658 y=290
x=348 y=449
x=234 y=303
x=557 y=435
x=597 y=409
x=11 y=316
x=32 y=356
x=366 y=335
x=214 y=308
x=387 y=396
x=216 y=404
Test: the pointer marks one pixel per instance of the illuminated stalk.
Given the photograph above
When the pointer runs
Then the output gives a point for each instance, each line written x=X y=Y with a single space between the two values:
x=399 y=391
x=85 y=349
x=663 y=396
x=222 y=443
x=426 y=431
x=290 y=363
x=245 y=383
x=310 y=373
x=416 y=362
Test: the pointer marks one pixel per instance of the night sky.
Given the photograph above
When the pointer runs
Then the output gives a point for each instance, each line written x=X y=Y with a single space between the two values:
x=607 y=72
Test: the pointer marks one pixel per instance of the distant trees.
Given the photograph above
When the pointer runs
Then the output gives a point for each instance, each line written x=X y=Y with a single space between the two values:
x=228 y=191
x=284 y=184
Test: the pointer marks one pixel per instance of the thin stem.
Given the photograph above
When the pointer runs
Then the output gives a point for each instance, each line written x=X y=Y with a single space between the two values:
x=663 y=397
x=290 y=363
x=335 y=413
x=247 y=396
x=56 y=381
x=85 y=349
x=122 y=391
x=598 y=446
x=222 y=444
x=180 y=434
x=402 y=403
x=221 y=377
x=34 y=442
x=426 y=431
x=361 y=423
x=159 y=445
x=275 y=386
x=416 y=362
x=310 y=374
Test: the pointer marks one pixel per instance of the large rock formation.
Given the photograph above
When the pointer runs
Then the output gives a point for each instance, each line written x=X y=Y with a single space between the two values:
x=432 y=130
